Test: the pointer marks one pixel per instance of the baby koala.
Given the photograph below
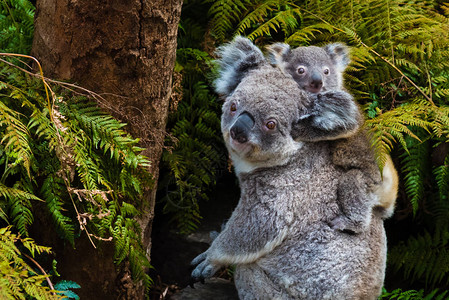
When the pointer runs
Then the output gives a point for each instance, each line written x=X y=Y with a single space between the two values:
x=315 y=69
x=319 y=71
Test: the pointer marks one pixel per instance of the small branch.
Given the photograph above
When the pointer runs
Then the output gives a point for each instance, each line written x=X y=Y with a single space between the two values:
x=43 y=271
x=109 y=239
x=40 y=71
x=79 y=218
x=64 y=84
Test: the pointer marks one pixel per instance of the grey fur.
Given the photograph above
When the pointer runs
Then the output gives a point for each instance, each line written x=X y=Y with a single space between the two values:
x=279 y=235
x=334 y=115
x=237 y=57
x=314 y=61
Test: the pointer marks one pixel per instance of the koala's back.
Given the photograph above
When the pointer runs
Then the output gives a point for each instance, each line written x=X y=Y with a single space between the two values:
x=314 y=261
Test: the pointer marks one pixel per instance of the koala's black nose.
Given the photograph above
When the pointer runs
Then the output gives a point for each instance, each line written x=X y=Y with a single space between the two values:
x=241 y=128
x=316 y=81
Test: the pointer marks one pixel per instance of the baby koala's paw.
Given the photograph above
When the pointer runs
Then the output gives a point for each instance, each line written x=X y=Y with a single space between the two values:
x=336 y=109
x=344 y=224
x=204 y=268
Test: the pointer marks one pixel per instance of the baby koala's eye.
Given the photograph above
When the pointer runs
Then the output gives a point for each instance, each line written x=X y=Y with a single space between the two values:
x=301 y=70
x=326 y=71
x=271 y=125
x=233 y=107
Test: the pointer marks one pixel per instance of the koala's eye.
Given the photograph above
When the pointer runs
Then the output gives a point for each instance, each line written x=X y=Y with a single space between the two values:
x=233 y=107
x=271 y=125
x=301 y=70
x=326 y=71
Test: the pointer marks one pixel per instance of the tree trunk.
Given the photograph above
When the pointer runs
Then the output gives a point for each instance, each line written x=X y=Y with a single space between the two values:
x=124 y=50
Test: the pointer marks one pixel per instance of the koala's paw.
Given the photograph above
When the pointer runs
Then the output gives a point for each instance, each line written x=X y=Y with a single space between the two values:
x=204 y=268
x=335 y=110
x=344 y=224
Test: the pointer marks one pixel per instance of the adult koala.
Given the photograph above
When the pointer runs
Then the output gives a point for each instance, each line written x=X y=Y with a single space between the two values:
x=279 y=235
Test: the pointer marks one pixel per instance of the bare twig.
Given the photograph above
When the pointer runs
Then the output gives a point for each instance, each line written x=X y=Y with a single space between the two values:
x=43 y=271
x=46 y=86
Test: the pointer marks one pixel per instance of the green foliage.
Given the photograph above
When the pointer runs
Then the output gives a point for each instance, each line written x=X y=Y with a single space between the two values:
x=64 y=287
x=424 y=256
x=16 y=26
x=414 y=295
x=195 y=152
x=75 y=159
x=18 y=280
x=415 y=164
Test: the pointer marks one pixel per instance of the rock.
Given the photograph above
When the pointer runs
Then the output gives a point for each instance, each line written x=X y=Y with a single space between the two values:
x=213 y=288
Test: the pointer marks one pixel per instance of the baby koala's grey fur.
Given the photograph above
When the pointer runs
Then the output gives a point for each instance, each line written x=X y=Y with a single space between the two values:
x=279 y=236
x=315 y=69
x=322 y=74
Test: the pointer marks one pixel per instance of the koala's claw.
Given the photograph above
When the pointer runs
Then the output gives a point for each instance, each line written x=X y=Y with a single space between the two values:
x=339 y=223
x=197 y=260
x=204 y=268
x=344 y=224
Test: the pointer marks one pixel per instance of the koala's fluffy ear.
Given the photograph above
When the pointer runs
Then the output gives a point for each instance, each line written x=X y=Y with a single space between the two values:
x=339 y=53
x=277 y=53
x=235 y=60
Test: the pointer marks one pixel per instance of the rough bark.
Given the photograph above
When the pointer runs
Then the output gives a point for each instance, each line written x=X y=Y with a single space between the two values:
x=122 y=49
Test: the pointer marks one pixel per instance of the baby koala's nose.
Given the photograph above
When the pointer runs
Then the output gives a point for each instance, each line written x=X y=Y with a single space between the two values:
x=241 y=128
x=316 y=82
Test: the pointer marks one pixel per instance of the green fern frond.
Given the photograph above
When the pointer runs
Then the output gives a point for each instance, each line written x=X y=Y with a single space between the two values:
x=414 y=295
x=258 y=15
x=285 y=20
x=15 y=138
x=192 y=163
x=64 y=288
x=425 y=256
x=53 y=190
x=19 y=207
x=16 y=26
x=442 y=178
x=306 y=34
x=224 y=13
x=18 y=280
x=415 y=166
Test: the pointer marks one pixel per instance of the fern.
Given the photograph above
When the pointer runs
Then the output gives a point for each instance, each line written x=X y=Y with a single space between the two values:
x=415 y=166
x=270 y=16
x=284 y=20
x=16 y=26
x=195 y=151
x=54 y=191
x=425 y=256
x=18 y=279
x=65 y=287
x=223 y=13
x=17 y=202
x=414 y=295
x=75 y=159
x=442 y=178
x=194 y=160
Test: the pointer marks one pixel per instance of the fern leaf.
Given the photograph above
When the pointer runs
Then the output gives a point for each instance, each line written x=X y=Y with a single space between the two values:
x=53 y=191
x=424 y=256
x=15 y=137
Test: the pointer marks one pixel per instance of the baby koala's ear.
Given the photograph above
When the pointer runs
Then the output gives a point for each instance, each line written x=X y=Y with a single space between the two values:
x=339 y=53
x=235 y=60
x=278 y=53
